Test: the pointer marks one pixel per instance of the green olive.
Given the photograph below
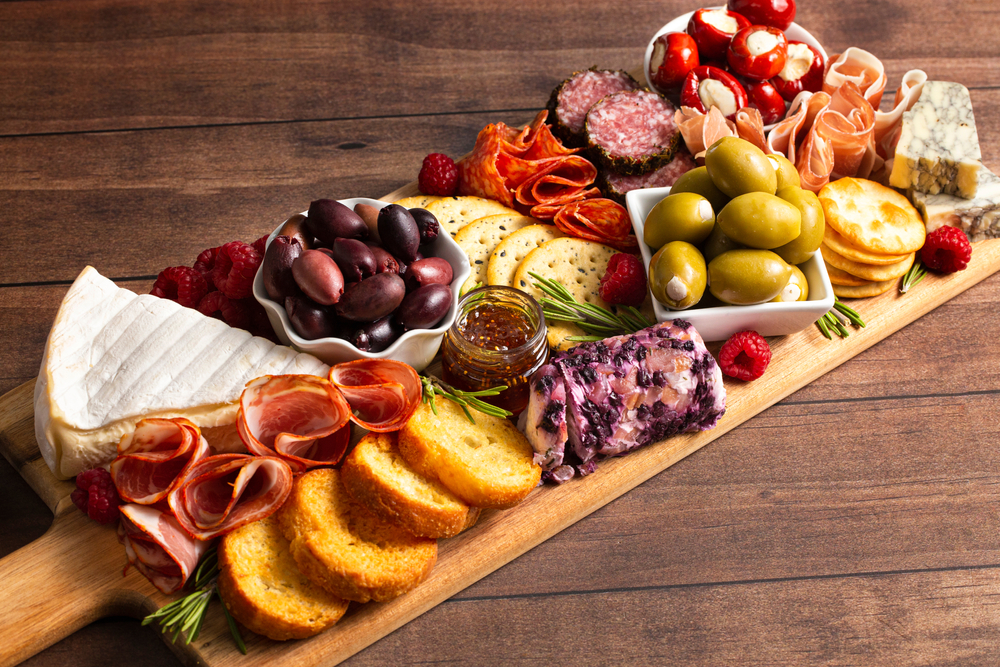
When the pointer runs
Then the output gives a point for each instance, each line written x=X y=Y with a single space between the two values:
x=745 y=277
x=797 y=288
x=760 y=220
x=788 y=175
x=677 y=275
x=813 y=225
x=738 y=167
x=699 y=182
x=718 y=243
x=684 y=216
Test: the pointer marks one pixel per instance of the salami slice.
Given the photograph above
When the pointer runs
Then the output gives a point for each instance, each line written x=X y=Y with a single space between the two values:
x=383 y=393
x=557 y=181
x=152 y=458
x=158 y=547
x=615 y=186
x=572 y=99
x=600 y=220
x=302 y=419
x=223 y=492
x=632 y=132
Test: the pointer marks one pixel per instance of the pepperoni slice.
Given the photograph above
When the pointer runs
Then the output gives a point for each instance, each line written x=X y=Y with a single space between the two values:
x=152 y=458
x=383 y=393
x=158 y=547
x=302 y=419
x=600 y=220
x=223 y=492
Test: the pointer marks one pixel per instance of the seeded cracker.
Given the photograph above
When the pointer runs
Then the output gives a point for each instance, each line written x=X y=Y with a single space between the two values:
x=418 y=201
x=509 y=252
x=481 y=237
x=456 y=212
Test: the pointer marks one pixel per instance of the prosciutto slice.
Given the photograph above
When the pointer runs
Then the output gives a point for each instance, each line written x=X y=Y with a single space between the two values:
x=223 y=492
x=302 y=419
x=383 y=393
x=701 y=130
x=158 y=547
x=859 y=67
x=154 y=457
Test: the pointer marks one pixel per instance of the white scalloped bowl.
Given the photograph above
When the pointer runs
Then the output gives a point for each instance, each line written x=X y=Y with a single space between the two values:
x=795 y=32
x=416 y=347
x=721 y=322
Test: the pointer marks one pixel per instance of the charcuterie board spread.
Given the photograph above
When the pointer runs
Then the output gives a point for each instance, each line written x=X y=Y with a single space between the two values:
x=346 y=422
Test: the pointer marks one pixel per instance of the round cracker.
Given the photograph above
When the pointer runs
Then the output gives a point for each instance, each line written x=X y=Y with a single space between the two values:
x=509 y=252
x=839 y=244
x=453 y=213
x=872 y=217
x=480 y=238
x=867 y=271
x=840 y=277
x=863 y=291
x=417 y=201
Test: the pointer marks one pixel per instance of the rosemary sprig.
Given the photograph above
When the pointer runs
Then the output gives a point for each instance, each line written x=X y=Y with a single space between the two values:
x=915 y=274
x=836 y=321
x=466 y=399
x=187 y=614
x=559 y=305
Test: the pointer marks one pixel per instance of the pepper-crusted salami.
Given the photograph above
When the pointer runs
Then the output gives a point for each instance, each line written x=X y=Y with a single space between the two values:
x=632 y=132
x=572 y=99
x=615 y=186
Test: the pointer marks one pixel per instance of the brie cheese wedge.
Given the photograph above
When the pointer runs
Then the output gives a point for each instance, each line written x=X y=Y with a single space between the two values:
x=114 y=357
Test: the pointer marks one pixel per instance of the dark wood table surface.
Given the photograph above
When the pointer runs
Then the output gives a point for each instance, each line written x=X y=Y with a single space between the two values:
x=854 y=523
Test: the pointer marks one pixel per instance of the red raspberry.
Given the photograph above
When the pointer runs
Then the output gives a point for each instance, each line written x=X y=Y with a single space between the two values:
x=96 y=496
x=233 y=312
x=234 y=270
x=946 y=250
x=204 y=265
x=438 y=175
x=625 y=280
x=745 y=356
x=181 y=284
x=260 y=245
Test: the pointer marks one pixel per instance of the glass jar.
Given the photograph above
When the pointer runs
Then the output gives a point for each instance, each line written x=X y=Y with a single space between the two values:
x=498 y=338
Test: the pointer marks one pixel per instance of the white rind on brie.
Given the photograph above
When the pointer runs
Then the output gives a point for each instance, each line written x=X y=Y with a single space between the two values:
x=114 y=357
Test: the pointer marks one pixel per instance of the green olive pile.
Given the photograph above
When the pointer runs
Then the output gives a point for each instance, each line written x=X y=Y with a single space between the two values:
x=739 y=225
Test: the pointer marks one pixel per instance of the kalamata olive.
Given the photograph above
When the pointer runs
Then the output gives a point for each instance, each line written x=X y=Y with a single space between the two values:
x=428 y=224
x=319 y=277
x=738 y=167
x=369 y=214
x=355 y=259
x=310 y=319
x=428 y=271
x=399 y=232
x=372 y=298
x=684 y=216
x=295 y=227
x=424 y=307
x=384 y=262
x=699 y=182
x=279 y=282
x=760 y=220
x=811 y=230
x=376 y=336
x=677 y=275
x=746 y=277
x=329 y=219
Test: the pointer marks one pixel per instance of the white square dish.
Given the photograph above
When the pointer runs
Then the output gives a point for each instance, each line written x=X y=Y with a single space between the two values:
x=721 y=322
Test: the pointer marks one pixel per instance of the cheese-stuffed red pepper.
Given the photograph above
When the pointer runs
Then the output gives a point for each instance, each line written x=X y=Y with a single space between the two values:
x=708 y=86
x=713 y=29
x=674 y=55
x=803 y=70
x=758 y=52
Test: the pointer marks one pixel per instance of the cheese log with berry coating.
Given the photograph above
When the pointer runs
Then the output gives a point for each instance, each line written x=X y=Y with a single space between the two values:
x=572 y=98
x=632 y=132
x=620 y=394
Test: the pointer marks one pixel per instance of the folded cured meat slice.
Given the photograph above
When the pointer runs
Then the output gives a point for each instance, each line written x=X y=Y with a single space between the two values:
x=557 y=181
x=383 y=393
x=153 y=458
x=859 y=67
x=622 y=393
x=302 y=419
x=701 y=130
x=158 y=547
x=223 y=492
x=600 y=220
x=792 y=137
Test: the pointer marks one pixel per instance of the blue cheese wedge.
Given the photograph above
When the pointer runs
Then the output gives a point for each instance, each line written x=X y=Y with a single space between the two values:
x=938 y=149
x=114 y=357
x=978 y=217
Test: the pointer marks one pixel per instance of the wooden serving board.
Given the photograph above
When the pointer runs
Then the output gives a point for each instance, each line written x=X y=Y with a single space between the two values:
x=73 y=574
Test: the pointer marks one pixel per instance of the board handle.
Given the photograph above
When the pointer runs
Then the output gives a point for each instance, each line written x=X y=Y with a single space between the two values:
x=64 y=580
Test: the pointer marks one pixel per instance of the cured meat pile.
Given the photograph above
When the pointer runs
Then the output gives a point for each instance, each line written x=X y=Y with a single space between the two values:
x=609 y=397
x=180 y=497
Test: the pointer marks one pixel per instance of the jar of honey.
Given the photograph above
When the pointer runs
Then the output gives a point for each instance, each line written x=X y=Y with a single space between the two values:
x=498 y=338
